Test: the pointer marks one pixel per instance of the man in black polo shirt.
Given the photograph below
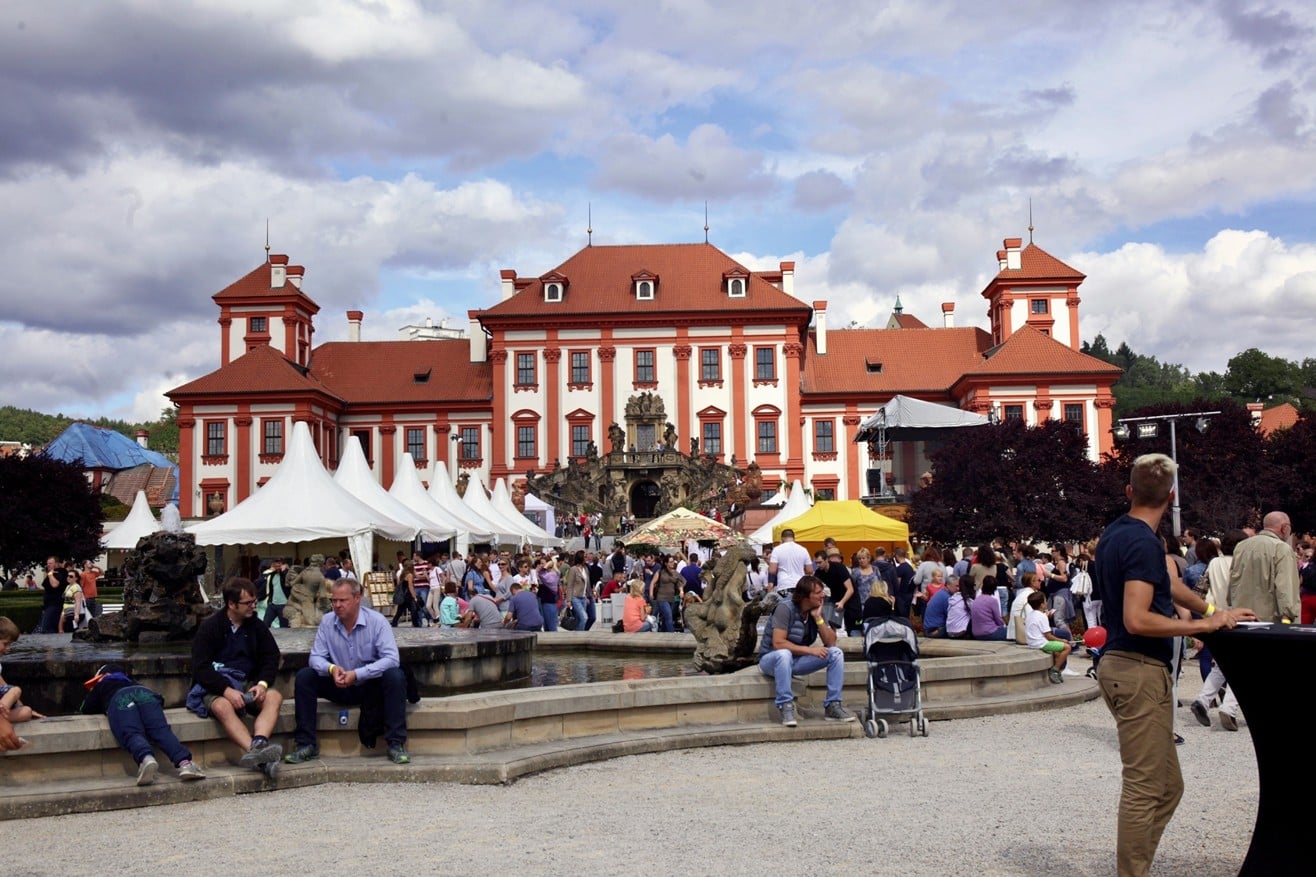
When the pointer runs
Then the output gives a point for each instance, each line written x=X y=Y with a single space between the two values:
x=234 y=659
x=1135 y=679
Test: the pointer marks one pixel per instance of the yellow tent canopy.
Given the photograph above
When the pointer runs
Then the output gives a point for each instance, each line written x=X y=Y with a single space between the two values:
x=851 y=523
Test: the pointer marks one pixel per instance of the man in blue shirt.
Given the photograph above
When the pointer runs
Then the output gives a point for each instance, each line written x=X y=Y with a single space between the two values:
x=934 y=616
x=1141 y=626
x=354 y=657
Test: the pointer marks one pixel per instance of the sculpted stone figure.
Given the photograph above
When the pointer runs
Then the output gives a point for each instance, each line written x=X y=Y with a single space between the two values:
x=616 y=438
x=161 y=597
x=309 y=597
x=724 y=625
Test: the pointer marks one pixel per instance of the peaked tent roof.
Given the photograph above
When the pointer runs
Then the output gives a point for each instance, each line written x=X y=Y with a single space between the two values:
x=912 y=419
x=797 y=503
x=476 y=497
x=480 y=528
x=95 y=447
x=679 y=526
x=851 y=523
x=300 y=503
x=140 y=522
x=502 y=503
x=408 y=490
x=354 y=476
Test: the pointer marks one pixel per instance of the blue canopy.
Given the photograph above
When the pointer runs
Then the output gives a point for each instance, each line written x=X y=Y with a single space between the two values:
x=97 y=448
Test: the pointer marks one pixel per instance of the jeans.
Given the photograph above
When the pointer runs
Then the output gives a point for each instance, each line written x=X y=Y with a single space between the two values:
x=583 y=615
x=549 y=611
x=665 y=621
x=49 y=619
x=311 y=686
x=418 y=612
x=137 y=720
x=274 y=611
x=781 y=665
x=997 y=634
x=1137 y=691
x=590 y=618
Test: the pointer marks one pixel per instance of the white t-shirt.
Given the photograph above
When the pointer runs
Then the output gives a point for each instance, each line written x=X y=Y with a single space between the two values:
x=1018 y=610
x=1036 y=627
x=792 y=560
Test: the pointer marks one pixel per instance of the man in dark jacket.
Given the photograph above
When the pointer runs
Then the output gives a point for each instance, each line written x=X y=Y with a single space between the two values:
x=234 y=659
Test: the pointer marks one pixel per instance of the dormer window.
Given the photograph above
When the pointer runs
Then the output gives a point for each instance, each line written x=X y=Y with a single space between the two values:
x=552 y=292
x=736 y=287
x=735 y=282
x=644 y=284
x=555 y=286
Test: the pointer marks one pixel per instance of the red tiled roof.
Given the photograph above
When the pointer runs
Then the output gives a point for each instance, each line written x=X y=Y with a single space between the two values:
x=690 y=278
x=1280 y=417
x=1037 y=264
x=1028 y=351
x=261 y=369
x=908 y=321
x=911 y=360
x=257 y=282
x=384 y=371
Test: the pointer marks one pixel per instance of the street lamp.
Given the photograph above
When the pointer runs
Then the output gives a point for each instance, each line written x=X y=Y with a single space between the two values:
x=1147 y=428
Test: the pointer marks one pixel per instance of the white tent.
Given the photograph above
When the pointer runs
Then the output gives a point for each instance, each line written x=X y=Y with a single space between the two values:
x=408 y=490
x=140 y=522
x=502 y=503
x=535 y=504
x=796 y=504
x=302 y=503
x=775 y=500
x=478 y=528
x=477 y=498
x=355 y=476
x=907 y=419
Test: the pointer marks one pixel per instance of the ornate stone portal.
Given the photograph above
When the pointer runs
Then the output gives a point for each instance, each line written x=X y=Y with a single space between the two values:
x=644 y=472
x=161 y=598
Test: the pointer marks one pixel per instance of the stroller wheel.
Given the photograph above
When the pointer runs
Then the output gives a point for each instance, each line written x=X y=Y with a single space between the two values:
x=913 y=727
x=870 y=728
x=882 y=728
x=923 y=726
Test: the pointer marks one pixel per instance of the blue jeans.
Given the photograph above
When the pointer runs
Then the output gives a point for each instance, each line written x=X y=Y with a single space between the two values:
x=418 y=612
x=997 y=634
x=49 y=619
x=137 y=720
x=549 y=611
x=583 y=615
x=590 y=618
x=310 y=686
x=781 y=665
x=665 y=622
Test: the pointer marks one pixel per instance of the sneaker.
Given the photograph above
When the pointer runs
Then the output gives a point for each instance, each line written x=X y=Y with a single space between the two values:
x=835 y=712
x=302 y=753
x=1054 y=675
x=1228 y=721
x=1178 y=739
x=788 y=714
x=258 y=755
x=147 y=770
x=270 y=769
x=1198 y=709
x=398 y=755
x=190 y=770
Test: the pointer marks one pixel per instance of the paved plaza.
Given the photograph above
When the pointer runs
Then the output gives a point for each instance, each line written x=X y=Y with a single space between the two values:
x=1031 y=794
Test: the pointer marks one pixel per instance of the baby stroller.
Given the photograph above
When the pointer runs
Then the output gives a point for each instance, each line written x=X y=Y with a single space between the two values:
x=895 y=690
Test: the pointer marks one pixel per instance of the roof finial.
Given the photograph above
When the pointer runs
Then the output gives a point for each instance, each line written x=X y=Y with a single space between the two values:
x=267 y=239
x=1030 y=220
x=589 y=231
x=899 y=309
x=705 y=222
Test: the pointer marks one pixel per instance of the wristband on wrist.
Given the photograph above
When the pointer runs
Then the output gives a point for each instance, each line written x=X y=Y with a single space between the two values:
x=1210 y=610
x=263 y=684
x=331 y=669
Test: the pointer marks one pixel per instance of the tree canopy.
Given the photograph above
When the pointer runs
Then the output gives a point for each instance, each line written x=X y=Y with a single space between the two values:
x=48 y=509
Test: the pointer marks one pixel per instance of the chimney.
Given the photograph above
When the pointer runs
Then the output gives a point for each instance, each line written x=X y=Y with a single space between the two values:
x=295 y=273
x=948 y=314
x=143 y=438
x=1000 y=260
x=1254 y=409
x=1013 y=253
x=788 y=279
x=508 y=277
x=354 y=319
x=278 y=271
x=479 y=342
x=819 y=325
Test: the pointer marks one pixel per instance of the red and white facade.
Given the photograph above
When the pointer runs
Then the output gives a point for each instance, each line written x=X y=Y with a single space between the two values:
x=739 y=362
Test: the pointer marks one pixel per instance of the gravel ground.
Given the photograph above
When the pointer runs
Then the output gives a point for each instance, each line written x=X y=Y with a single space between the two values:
x=1032 y=794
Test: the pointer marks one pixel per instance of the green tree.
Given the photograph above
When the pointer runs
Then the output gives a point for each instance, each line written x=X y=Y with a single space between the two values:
x=1254 y=375
x=48 y=509
x=164 y=432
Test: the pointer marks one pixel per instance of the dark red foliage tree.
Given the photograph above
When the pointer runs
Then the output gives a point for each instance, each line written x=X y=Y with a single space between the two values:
x=1014 y=481
x=1293 y=452
x=46 y=507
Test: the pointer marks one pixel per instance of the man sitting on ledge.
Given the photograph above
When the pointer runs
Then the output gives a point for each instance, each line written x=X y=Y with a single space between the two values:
x=354 y=657
x=788 y=650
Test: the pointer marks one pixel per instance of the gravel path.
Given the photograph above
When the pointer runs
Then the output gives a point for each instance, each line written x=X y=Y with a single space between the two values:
x=1030 y=794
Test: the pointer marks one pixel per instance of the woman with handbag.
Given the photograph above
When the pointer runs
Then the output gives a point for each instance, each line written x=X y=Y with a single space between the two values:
x=575 y=590
x=665 y=588
x=548 y=593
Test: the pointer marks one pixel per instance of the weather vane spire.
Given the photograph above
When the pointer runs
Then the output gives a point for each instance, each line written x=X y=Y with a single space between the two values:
x=705 y=222
x=1030 y=220
x=267 y=239
x=589 y=223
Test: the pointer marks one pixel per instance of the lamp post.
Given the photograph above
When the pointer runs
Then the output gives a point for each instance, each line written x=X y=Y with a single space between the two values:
x=1146 y=428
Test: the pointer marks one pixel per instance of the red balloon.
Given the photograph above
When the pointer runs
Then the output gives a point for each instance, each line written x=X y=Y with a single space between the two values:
x=1094 y=637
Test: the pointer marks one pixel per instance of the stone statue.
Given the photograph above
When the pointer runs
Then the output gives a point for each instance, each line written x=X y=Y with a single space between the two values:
x=616 y=438
x=694 y=446
x=308 y=595
x=161 y=598
x=591 y=451
x=724 y=625
x=669 y=436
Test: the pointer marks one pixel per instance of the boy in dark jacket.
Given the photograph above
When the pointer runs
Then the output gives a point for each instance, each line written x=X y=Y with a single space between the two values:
x=137 y=721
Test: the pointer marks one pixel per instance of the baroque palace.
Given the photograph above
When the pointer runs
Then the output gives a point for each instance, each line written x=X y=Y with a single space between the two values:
x=638 y=348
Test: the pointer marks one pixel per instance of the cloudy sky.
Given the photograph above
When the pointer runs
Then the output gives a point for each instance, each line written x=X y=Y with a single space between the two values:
x=404 y=152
